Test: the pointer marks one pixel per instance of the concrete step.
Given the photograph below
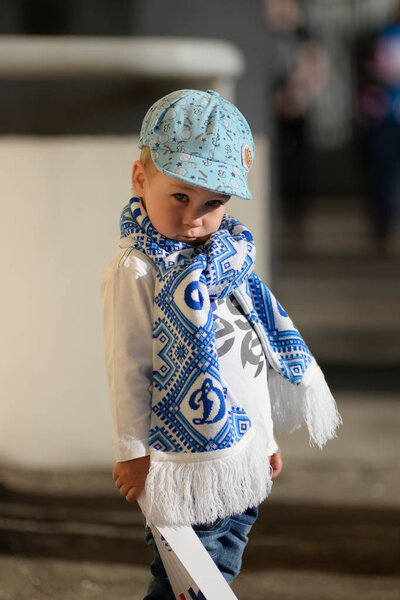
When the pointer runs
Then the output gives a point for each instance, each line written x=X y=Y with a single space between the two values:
x=335 y=511
x=342 y=293
x=344 y=539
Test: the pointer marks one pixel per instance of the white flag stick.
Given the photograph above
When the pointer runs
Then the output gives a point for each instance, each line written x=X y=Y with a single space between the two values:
x=192 y=572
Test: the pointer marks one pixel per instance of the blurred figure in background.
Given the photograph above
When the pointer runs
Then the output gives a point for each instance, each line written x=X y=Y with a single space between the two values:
x=378 y=118
x=298 y=65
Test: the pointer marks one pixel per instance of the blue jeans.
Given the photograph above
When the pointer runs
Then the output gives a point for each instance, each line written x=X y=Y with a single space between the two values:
x=224 y=540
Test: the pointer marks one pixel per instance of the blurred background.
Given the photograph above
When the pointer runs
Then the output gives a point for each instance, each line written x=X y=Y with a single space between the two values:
x=319 y=82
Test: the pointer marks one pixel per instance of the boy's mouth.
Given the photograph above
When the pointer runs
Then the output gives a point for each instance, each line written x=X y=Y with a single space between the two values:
x=184 y=236
x=189 y=239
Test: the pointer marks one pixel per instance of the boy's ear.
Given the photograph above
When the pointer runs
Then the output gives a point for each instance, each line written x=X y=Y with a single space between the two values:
x=138 y=178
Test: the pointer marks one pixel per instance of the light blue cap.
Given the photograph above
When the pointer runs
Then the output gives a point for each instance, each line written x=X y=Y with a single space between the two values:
x=202 y=139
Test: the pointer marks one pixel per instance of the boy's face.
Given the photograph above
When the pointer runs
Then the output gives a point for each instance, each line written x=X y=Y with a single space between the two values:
x=178 y=210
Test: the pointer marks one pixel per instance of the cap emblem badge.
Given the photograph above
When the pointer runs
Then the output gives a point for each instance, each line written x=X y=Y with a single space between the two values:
x=247 y=157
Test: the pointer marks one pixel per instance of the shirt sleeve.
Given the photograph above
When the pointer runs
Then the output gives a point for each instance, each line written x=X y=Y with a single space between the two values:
x=127 y=297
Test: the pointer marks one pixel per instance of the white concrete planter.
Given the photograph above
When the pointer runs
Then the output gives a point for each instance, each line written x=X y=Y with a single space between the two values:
x=61 y=200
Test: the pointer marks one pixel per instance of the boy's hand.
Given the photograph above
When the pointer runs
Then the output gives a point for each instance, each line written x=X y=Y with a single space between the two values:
x=130 y=476
x=276 y=463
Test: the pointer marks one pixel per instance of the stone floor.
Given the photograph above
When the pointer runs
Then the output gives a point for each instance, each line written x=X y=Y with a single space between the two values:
x=40 y=579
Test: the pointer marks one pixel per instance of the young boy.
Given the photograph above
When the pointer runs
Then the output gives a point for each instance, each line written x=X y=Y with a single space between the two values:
x=203 y=363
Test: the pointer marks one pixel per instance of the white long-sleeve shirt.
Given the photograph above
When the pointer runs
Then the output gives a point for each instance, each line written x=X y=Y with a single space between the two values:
x=127 y=290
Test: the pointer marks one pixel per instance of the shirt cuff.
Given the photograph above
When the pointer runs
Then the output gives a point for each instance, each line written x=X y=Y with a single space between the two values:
x=129 y=449
x=273 y=448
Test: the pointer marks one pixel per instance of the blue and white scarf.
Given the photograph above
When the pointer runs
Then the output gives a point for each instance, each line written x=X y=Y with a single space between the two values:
x=192 y=422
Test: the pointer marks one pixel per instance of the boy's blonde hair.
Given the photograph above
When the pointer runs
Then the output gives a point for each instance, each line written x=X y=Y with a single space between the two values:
x=146 y=159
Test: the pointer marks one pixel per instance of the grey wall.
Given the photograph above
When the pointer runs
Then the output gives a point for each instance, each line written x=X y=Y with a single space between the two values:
x=236 y=20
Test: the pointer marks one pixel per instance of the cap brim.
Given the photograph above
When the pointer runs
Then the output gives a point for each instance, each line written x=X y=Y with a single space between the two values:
x=204 y=173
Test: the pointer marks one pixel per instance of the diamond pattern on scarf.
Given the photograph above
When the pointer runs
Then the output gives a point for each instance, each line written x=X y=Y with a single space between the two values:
x=190 y=411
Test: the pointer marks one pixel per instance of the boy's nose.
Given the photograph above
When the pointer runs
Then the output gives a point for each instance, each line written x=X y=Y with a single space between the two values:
x=192 y=218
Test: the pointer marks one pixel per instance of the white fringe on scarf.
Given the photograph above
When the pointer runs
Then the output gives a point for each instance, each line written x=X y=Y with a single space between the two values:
x=308 y=403
x=188 y=488
x=211 y=486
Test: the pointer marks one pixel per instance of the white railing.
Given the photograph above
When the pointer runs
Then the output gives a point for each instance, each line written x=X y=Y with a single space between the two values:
x=214 y=63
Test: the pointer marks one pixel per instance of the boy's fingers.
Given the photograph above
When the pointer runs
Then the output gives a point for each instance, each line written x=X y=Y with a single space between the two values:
x=133 y=494
x=131 y=491
x=276 y=464
x=125 y=489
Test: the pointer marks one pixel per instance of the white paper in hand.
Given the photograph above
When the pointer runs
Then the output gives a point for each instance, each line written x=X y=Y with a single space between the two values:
x=192 y=572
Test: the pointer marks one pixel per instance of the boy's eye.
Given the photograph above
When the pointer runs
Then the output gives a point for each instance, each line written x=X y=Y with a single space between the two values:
x=180 y=197
x=214 y=203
